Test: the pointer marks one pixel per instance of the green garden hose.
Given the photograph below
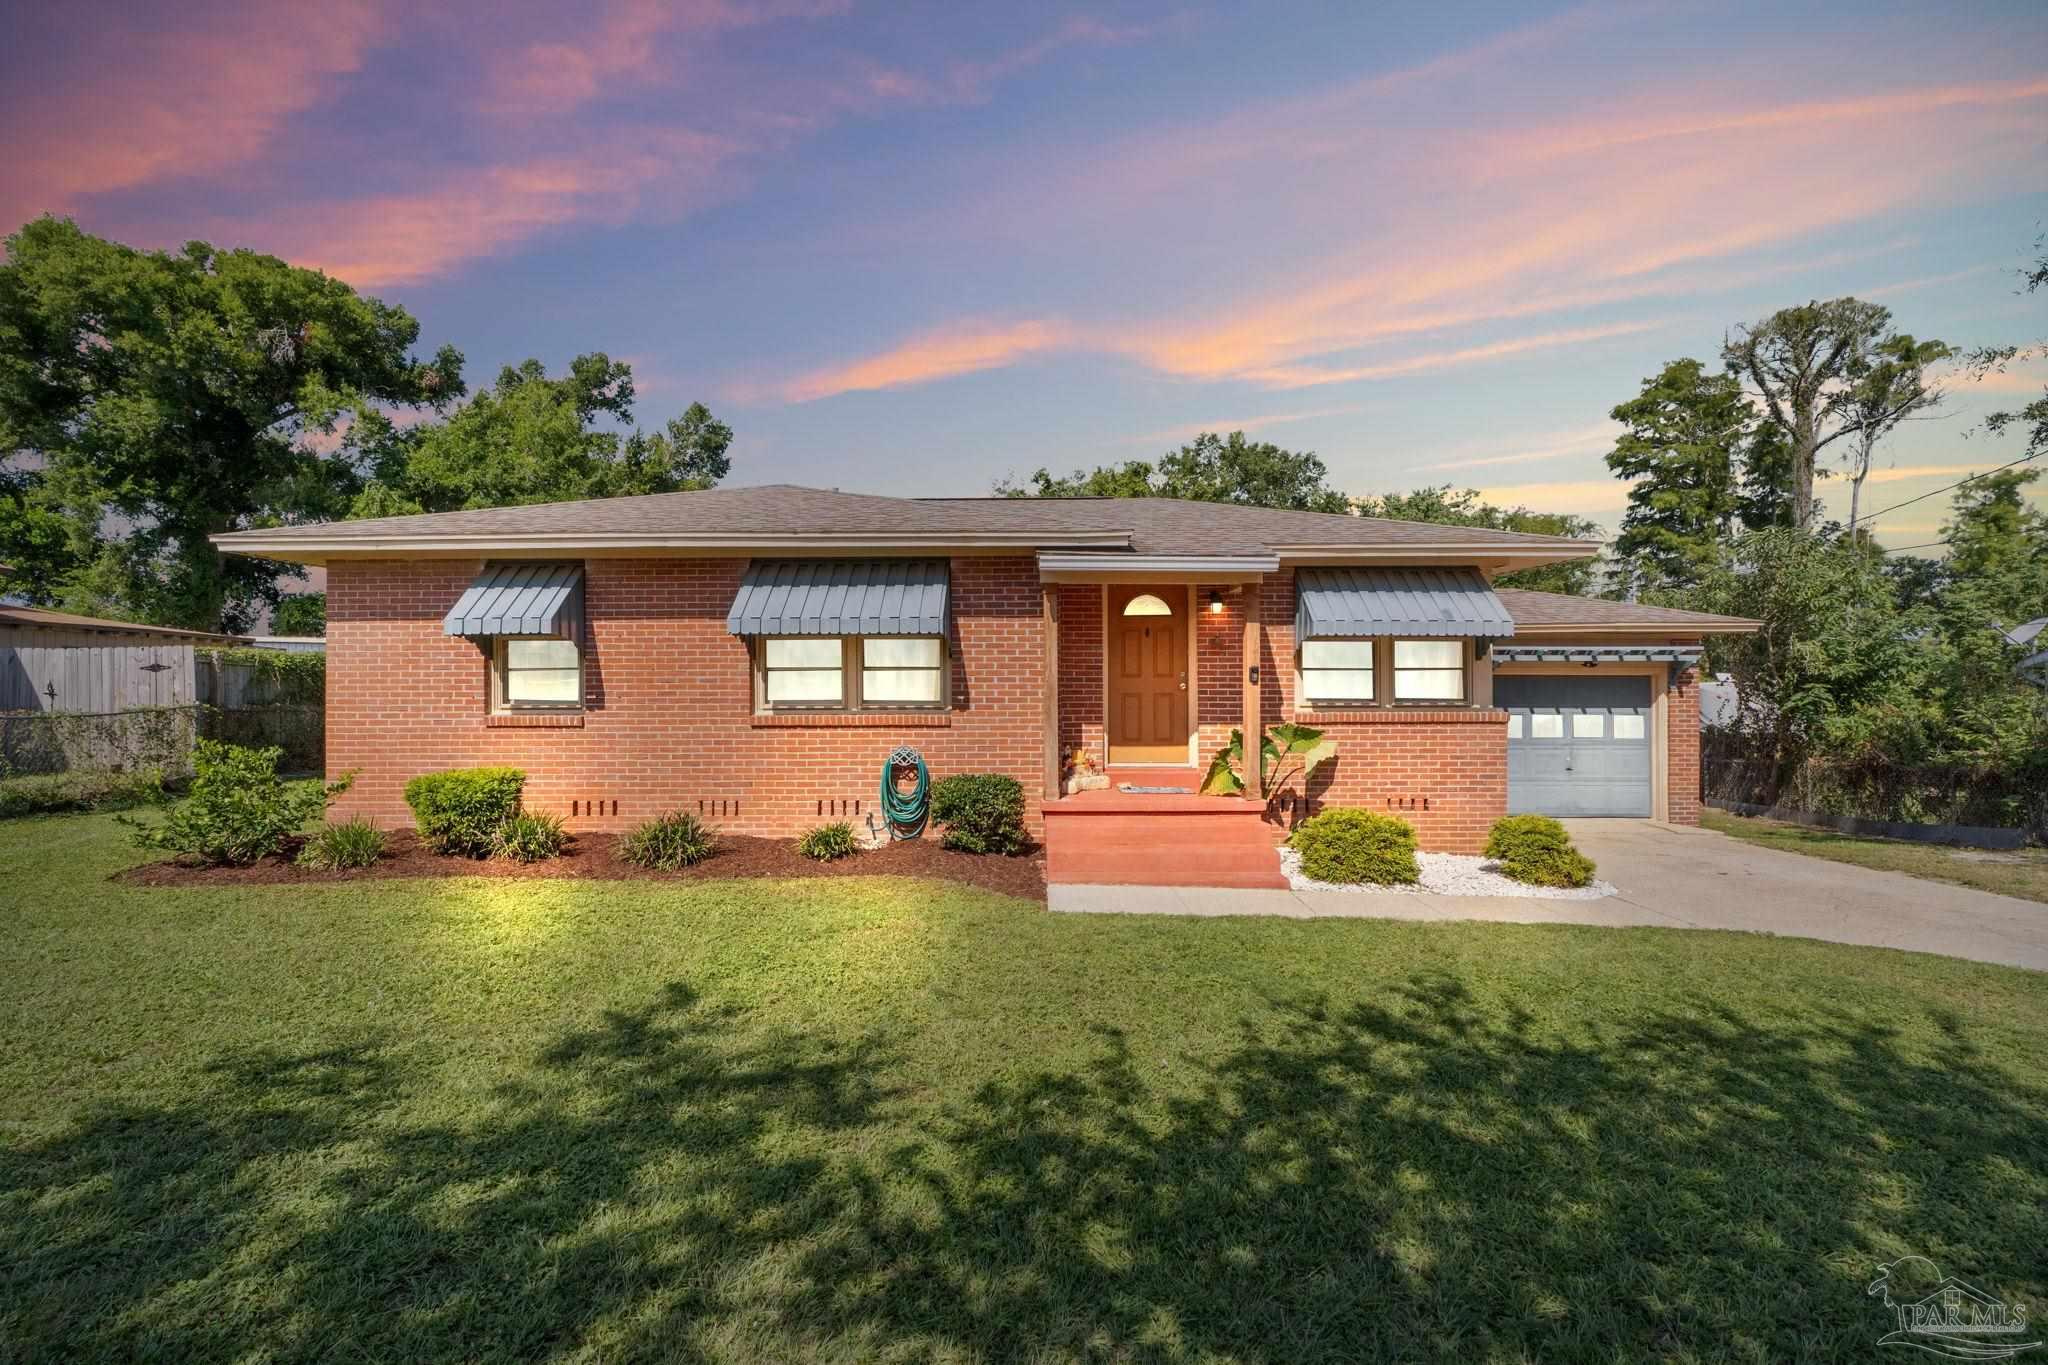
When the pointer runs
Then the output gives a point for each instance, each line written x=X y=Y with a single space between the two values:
x=906 y=812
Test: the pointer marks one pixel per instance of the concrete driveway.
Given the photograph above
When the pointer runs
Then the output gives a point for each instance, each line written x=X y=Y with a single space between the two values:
x=1675 y=877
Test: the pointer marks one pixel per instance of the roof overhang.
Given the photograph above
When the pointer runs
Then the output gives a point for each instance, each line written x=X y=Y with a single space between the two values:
x=1070 y=566
x=302 y=549
x=1662 y=630
x=1521 y=652
x=1482 y=554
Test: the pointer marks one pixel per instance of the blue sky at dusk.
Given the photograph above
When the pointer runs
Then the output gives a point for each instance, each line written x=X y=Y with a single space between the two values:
x=913 y=248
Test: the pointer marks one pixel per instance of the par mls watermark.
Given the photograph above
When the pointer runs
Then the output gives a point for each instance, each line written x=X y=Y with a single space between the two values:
x=1947 y=1317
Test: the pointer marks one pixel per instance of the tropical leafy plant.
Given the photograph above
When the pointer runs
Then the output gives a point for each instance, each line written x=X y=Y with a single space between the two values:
x=1286 y=751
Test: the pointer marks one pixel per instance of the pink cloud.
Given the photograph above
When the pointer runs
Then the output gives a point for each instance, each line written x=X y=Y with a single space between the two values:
x=1651 y=194
x=204 y=96
x=962 y=349
x=621 y=48
x=406 y=236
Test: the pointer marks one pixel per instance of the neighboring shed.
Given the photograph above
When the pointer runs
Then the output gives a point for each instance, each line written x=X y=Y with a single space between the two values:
x=55 y=661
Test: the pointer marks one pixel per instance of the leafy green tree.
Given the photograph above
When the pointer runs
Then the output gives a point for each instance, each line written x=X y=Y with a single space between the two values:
x=300 y=613
x=1833 y=641
x=1998 y=545
x=1210 y=468
x=533 y=438
x=1680 y=443
x=1887 y=384
x=1448 y=506
x=1798 y=359
x=1764 y=490
x=151 y=399
x=2033 y=418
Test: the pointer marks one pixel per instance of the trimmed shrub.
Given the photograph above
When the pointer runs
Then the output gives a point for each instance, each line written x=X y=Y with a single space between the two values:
x=531 y=837
x=238 y=810
x=1535 y=849
x=460 y=812
x=982 y=813
x=827 y=842
x=80 y=789
x=354 y=842
x=1345 y=845
x=668 y=842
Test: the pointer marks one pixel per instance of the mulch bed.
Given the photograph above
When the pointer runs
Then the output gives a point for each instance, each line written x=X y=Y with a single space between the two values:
x=592 y=857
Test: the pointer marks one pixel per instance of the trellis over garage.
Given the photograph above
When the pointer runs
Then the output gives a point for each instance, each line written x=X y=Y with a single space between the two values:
x=757 y=652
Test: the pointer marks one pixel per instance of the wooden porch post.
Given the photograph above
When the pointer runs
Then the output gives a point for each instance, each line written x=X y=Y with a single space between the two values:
x=1050 y=619
x=1254 y=729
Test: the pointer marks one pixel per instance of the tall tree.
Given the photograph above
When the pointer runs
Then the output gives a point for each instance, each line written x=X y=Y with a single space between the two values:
x=1680 y=444
x=1887 y=384
x=1448 y=506
x=300 y=613
x=1211 y=468
x=535 y=438
x=151 y=399
x=1998 y=543
x=1798 y=359
x=2033 y=418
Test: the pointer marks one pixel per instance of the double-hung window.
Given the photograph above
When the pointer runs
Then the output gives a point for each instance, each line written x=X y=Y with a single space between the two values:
x=1335 y=672
x=543 y=674
x=1429 y=670
x=852 y=673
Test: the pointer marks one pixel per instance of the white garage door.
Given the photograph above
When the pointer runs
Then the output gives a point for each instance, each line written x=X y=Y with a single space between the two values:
x=1576 y=745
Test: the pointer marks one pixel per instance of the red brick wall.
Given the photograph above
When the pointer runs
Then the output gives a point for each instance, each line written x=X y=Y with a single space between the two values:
x=1443 y=771
x=669 y=719
x=1081 y=677
x=1219 y=665
x=1683 y=763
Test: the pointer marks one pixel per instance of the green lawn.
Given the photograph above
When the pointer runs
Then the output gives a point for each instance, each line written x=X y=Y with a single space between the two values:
x=860 y=1120
x=2022 y=873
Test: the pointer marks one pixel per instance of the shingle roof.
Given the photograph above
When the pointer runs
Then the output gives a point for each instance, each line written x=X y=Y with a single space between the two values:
x=37 y=616
x=1561 y=609
x=785 y=511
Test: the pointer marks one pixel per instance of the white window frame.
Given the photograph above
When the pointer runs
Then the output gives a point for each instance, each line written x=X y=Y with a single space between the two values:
x=501 y=683
x=1395 y=669
x=1309 y=701
x=851 y=666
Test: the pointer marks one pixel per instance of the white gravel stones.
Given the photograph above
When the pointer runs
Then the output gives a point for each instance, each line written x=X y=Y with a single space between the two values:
x=1447 y=874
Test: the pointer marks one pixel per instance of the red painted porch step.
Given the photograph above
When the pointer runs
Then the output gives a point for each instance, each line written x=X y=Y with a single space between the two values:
x=1128 y=839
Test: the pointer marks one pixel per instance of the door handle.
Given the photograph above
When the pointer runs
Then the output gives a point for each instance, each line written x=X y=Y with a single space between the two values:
x=1183 y=680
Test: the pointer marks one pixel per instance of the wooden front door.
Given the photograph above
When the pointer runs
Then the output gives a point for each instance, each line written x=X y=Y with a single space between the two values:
x=1148 y=675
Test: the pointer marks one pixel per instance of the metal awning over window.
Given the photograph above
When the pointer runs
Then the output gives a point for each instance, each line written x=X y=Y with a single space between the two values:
x=1374 y=601
x=841 y=597
x=521 y=599
x=1596 y=654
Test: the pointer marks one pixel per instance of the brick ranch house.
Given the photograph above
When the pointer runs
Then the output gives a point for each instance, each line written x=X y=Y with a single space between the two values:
x=756 y=653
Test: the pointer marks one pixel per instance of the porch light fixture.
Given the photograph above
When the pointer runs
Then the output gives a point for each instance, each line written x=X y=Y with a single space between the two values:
x=1215 y=602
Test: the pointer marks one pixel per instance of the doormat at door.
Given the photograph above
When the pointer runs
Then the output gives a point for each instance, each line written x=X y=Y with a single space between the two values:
x=1156 y=791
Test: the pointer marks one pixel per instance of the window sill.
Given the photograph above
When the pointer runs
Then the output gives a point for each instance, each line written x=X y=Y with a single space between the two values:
x=851 y=720
x=534 y=720
x=1402 y=713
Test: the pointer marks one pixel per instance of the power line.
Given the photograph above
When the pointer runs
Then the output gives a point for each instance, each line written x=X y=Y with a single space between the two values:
x=1873 y=516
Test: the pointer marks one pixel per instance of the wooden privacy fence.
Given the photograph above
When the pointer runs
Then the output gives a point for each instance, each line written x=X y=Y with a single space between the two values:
x=131 y=706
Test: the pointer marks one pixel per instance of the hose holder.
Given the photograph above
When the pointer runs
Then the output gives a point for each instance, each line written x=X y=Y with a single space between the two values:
x=905 y=812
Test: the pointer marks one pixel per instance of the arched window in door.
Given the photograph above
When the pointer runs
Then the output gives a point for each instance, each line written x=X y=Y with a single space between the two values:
x=1145 y=604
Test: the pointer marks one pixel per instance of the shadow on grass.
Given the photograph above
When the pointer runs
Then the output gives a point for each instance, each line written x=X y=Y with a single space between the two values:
x=1415 y=1177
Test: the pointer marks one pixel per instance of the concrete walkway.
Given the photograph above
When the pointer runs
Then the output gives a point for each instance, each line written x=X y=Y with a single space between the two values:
x=1673 y=877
